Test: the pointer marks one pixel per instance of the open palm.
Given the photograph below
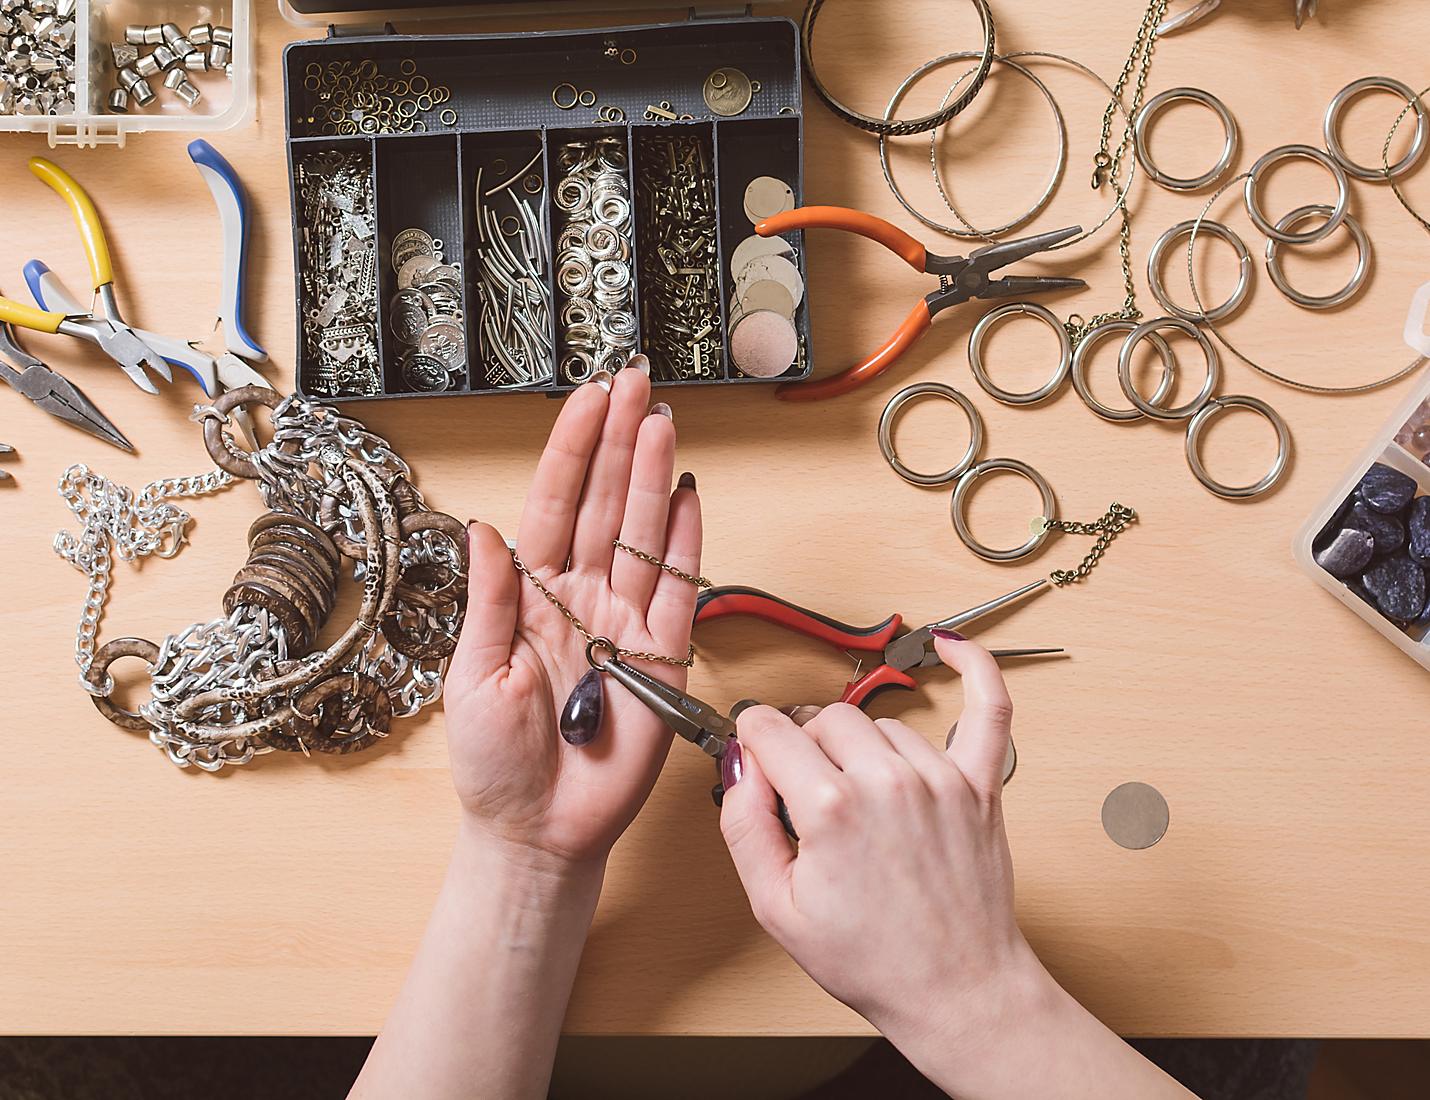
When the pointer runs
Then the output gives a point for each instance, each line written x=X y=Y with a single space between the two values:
x=605 y=475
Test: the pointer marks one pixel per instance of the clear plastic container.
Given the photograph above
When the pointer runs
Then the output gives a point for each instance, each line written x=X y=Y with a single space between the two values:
x=226 y=103
x=1398 y=446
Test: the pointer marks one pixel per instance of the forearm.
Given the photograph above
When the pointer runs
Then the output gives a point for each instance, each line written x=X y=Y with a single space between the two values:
x=480 y=1012
x=1033 y=1040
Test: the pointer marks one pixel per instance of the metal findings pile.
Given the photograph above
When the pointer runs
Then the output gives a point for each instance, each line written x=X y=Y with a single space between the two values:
x=339 y=272
x=514 y=337
x=427 y=317
x=593 y=258
x=356 y=97
x=678 y=256
x=768 y=289
x=253 y=680
x=175 y=54
x=37 y=57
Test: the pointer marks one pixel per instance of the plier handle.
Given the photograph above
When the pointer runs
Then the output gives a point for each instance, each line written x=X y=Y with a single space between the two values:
x=902 y=650
x=961 y=279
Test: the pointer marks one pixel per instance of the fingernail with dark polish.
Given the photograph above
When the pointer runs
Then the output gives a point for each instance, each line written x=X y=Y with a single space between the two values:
x=603 y=378
x=662 y=409
x=687 y=481
x=640 y=363
x=732 y=767
x=947 y=635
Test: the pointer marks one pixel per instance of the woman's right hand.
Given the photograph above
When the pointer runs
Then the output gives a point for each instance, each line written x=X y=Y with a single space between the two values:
x=898 y=898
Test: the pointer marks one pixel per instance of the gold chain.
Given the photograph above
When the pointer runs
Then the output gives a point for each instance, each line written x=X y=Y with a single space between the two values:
x=1116 y=520
x=634 y=655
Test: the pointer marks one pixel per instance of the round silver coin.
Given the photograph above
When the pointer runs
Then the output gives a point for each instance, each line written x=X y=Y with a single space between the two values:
x=445 y=273
x=417 y=270
x=411 y=313
x=446 y=342
x=425 y=373
x=410 y=243
x=1135 y=816
x=728 y=92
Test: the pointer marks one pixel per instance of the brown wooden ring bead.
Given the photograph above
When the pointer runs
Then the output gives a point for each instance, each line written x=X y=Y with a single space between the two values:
x=402 y=640
x=446 y=585
x=299 y=546
x=405 y=496
x=98 y=677
x=278 y=579
x=333 y=524
x=227 y=455
x=319 y=704
x=265 y=599
x=286 y=521
x=299 y=573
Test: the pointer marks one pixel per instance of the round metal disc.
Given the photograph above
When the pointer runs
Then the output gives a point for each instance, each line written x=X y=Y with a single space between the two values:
x=411 y=311
x=728 y=92
x=765 y=294
x=776 y=269
x=416 y=270
x=764 y=344
x=445 y=342
x=1135 y=816
x=766 y=197
x=410 y=243
x=754 y=248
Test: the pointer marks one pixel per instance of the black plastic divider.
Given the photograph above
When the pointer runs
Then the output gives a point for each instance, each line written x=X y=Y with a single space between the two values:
x=306 y=367
x=417 y=188
x=555 y=139
x=489 y=160
x=746 y=149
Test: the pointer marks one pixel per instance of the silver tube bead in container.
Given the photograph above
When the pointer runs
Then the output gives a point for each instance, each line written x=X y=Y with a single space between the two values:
x=219 y=56
x=175 y=78
x=134 y=34
x=119 y=101
x=128 y=78
x=196 y=62
x=223 y=36
x=171 y=34
x=154 y=35
x=201 y=35
x=147 y=65
x=142 y=93
x=189 y=94
x=166 y=57
x=182 y=47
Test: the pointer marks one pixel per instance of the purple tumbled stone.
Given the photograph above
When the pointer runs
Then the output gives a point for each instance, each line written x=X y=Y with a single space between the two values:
x=1397 y=585
x=1387 y=531
x=1347 y=553
x=1385 y=489
x=586 y=706
x=1419 y=527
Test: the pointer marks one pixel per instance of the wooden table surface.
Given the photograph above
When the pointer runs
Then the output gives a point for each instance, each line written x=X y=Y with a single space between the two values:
x=1289 y=896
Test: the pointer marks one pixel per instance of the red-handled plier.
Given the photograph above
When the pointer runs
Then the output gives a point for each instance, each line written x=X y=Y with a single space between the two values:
x=903 y=650
x=960 y=278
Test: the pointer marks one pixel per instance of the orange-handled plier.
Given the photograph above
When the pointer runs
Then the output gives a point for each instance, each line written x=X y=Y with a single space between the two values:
x=960 y=278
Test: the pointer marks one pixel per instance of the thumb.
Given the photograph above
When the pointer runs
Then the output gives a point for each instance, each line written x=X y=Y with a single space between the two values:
x=750 y=823
x=493 y=596
x=986 y=723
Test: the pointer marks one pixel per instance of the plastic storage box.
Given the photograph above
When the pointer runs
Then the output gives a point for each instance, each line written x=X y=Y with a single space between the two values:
x=502 y=106
x=225 y=105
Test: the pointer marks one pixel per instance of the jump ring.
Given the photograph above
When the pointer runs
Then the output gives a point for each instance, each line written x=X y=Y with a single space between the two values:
x=894 y=409
x=960 y=504
x=996 y=317
x=1337 y=108
x=1124 y=369
x=1214 y=229
x=1095 y=336
x=1154 y=107
x=557 y=97
x=1210 y=412
x=1307 y=152
x=595 y=645
x=1329 y=301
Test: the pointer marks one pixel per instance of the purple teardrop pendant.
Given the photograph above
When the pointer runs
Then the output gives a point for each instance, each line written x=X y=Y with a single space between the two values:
x=586 y=706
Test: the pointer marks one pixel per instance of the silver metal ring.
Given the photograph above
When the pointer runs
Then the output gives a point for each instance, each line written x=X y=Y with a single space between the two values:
x=996 y=317
x=1329 y=301
x=1095 y=336
x=890 y=418
x=1333 y=121
x=960 y=502
x=1215 y=229
x=1159 y=103
x=1124 y=369
x=1210 y=412
x=1290 y=152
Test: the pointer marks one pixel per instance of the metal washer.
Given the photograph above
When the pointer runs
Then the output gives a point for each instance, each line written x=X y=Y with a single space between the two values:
x=1327 y=301
x=1144 y=331
x=1095 y=336
x=890 y=417
x=995 y=317
x=1210 y=412
x=960 y=503
x=1306 y=152
x=1154 y=107
x=1331 y=127
x=1214 y=229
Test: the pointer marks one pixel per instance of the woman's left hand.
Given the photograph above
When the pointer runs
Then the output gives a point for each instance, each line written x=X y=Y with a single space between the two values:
x=605 y=475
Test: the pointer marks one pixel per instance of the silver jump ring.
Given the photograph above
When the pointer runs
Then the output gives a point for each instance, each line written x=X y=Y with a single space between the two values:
x=1154 y=107
x=894 y=409
x=1095 y=336
x=1360 y=87
x=1124 y=369
x=1210 y=412
x=1329 y=301
x=1289 y=152
x=998 y=316
x=1215 y=229
x=960 y=503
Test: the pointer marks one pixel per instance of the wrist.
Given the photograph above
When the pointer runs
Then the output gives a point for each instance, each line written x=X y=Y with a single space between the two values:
x=540 y=878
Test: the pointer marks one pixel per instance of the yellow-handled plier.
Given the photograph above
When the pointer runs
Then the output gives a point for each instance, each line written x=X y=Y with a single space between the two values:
x=107 y=330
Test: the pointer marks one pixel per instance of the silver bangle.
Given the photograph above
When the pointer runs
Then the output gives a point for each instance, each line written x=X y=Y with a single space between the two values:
x=1095 y=336
x=894 y=409
x=1210 y=412
x=1159 y=103
x=1215 y=229
x=1124 y=369
x=1311 y=301
x=960 y=503
x=1307 y=152
x=1338 y=105
x=998 y=316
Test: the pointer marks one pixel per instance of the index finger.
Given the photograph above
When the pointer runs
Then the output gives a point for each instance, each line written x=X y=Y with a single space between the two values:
x=986 y=723
x=792 y=761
